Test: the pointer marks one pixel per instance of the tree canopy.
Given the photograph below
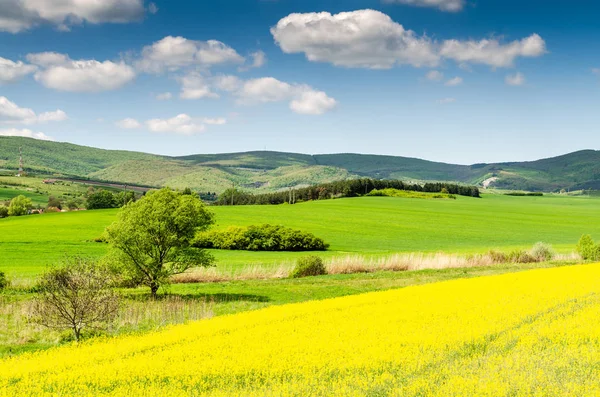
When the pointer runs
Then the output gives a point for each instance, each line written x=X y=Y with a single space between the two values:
x=152 y=237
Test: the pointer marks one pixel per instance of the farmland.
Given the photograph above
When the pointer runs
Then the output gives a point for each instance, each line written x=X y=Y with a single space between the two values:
x=484 y=336
x=367 y=226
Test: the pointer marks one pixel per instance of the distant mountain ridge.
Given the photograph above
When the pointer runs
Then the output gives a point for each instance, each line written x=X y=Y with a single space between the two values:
x=269 y=171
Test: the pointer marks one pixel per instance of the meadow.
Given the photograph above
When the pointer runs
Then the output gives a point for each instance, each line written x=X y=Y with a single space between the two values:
x=488 y=336
x=368 y=226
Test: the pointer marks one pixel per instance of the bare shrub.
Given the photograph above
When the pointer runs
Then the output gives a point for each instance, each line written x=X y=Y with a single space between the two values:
x=542 y=252
x=76 y=296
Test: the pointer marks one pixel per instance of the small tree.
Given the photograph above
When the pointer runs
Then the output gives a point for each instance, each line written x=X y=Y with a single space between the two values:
x=102 y=200
x=152 y=237
x=54 y=202
x=3 y=211
x=76 y=296
x=19 y=206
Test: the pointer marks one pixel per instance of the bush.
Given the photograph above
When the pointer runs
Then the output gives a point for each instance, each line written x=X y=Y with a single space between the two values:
x=3 y=212
x=19 y=206
x=588 y=250
x=309 y=266
x=260 y=238
x=102 y=200
x=3 y=281
x=542 y=252
x=498 y=256
x=521 y=256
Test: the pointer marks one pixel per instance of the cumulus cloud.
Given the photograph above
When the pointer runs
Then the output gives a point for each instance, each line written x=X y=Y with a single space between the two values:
x=128 y=124
x=444 y=5
x=454 y=82
x=516 y=79
x=25 y=133
x=446 y=101
x=19 y=15
x=173 y=53
x=194 y=86
x=491 y=52
x=371 y=39
x=303 y=99
x=364 y=38
x=181 y=124
x=11 y=71
x=165 y=96
x=61 y=73
x=12 y=113
x=313 y=103
x=434 y=75
x=227 y=83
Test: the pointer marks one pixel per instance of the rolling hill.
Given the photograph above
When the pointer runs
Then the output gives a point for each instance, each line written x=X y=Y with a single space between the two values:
x=269 y=171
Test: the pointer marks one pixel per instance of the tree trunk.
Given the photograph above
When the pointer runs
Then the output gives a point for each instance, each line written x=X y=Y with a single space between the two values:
x=77 y=333
x=153 y=289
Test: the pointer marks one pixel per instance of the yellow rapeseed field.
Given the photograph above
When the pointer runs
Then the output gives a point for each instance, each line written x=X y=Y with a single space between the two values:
x=534 y=333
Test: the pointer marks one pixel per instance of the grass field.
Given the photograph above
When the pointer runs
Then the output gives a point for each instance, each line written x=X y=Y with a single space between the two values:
x=370 y=225
x=492 y=336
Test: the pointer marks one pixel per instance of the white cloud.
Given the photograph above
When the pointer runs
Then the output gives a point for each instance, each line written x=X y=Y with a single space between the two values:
x=13 y=71
x=12 y=113
x=371 y=39
x=434 y=75
x=313 y=103
x=227 y=83
x=128 y=124
x=216 y=121
x=454 y=82
x=364 y=38
x=259 y=59
x=491 y=52
x=61 y=73
x=181 y=124
x=445 y=101
x=516 y=79
x=444 y=5
x=25 y=133
x=152 y=8
x=194 y=86
x=165 y=96
x=19 y=15
x=303 y=99
x=173 y=53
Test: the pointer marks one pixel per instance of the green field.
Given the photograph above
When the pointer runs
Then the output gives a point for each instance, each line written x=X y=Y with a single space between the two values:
x=369 y=225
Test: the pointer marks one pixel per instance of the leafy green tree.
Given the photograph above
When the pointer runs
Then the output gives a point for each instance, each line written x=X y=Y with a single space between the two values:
x=3 y=212
x=152 y=237
x=101 y=200
x=19 y=206
x=54 y=202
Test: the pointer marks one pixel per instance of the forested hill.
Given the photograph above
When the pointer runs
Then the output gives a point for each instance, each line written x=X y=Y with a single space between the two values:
x=269 y=171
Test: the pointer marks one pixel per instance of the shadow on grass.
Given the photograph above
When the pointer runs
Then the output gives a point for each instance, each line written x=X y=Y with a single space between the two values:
x=209 y=298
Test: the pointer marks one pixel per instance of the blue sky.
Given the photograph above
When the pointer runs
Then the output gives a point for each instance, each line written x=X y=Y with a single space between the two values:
x=461 y=81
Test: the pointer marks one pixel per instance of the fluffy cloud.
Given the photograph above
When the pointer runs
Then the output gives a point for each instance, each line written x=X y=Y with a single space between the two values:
x=371 y=39
x=128 y=124
x=20 y=15
x=13 y=71
x=444 y=5
x=165 y=96
x=11 y=113
x=303 y=99
x=454 y=82
x=173 y=53
x=227 y=83
x=194 y=86
x=434 y=75
x=516 y=79
x=259 y=59
x=313 y=103
x=364 y=38
x=25 y=133
x=181 y=124
x=492 y=52
x=59 y=72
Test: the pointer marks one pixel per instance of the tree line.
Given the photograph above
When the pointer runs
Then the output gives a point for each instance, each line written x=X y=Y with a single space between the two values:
x=347 y=188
